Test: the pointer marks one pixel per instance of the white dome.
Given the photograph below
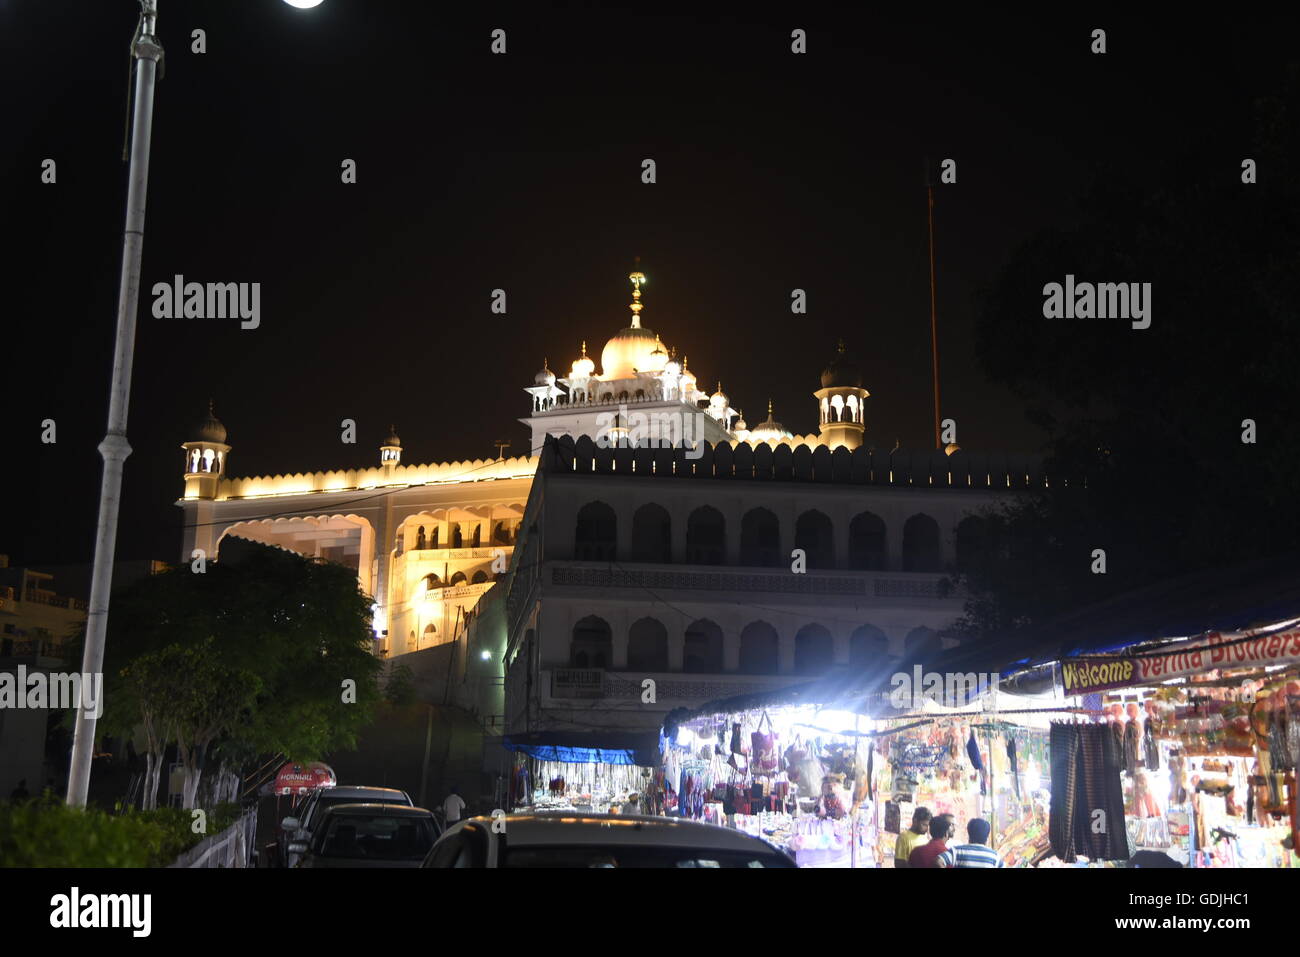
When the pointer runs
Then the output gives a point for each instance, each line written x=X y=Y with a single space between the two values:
x=582 y=367
x=719 y=399
x=627 y=353
x=657 y=359
x=545 y=376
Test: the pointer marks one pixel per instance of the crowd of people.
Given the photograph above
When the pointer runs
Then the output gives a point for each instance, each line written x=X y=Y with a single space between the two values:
x=912 y=849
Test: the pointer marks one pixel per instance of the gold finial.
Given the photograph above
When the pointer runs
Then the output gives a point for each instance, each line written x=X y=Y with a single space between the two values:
x=638 y=280
x=769 y=408
x=584 y=348
x=841 y=346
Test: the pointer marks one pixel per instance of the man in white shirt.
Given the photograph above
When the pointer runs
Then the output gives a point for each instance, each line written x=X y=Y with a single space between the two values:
x=453 y=806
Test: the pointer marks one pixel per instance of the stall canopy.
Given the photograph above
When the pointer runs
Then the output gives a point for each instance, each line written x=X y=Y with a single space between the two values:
x=1225 y=600
x=589 y=747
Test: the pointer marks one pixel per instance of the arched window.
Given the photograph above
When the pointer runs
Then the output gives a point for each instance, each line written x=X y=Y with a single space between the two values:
x=702 y=654
x=760 y=649
x=591 y=646
x=433 y=539
x=760 y=539
x=814 y=650
x=596 y=534
x=922 y=643
x=607 y=397
x=969 y=540
x=651 y=534
x=921 y=545
x=430 y=631
x=475 y=538
x=868 y=647
x=812 y=533
x=640 y=395
x=479 y=578
x=622 y=396
x=867 y=543
x=457 y=538
x=432 y=581
x=419 y=540
x=499 y=534
x=647 y=646
x=458 y=579
x=705 y=536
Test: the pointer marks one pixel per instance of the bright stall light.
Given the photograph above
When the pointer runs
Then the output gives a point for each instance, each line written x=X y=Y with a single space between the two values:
x=303 y=4
x=685 y=737
x=485 y=655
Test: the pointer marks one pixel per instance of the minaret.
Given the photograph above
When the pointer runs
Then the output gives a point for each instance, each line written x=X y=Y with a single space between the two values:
x=842 y=410
x=390 y=453
x=205 y=457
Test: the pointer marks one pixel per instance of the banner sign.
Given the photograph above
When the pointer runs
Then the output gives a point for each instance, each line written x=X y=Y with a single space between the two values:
x=1234 y=650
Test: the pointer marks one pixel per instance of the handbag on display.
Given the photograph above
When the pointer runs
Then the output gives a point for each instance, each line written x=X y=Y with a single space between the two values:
x=735 y=739
x=764 y=754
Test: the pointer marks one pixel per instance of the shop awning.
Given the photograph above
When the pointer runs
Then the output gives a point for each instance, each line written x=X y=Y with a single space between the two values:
x=1224 y=600
x=588 y=747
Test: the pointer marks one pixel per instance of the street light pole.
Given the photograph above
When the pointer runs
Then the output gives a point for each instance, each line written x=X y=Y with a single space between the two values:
x=147 y=53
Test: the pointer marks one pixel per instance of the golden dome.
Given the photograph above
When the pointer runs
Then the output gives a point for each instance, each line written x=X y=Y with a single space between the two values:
x=627 y=353
x=657 y=359
x=769 y=430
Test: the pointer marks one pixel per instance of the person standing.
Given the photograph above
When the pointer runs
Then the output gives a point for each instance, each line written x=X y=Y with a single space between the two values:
x=975 y=854
x=453 y=806
x=927 y=855
x=912 y=838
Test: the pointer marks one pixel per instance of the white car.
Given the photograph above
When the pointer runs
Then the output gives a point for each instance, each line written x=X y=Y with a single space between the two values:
x=567 y=839
x=298 y=828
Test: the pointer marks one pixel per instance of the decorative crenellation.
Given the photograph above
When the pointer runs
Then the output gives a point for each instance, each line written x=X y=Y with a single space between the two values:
x=810 y=461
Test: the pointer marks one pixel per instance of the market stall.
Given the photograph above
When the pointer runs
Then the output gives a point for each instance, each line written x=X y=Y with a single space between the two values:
x=583 y=772
x=1208 y=730
x=832 y=771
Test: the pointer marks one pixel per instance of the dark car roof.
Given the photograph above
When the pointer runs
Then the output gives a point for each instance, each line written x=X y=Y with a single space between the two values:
x=570 y=827
x=376 y=810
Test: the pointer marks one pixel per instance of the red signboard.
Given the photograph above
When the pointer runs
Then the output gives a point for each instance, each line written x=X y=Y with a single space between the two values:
x=301 y=778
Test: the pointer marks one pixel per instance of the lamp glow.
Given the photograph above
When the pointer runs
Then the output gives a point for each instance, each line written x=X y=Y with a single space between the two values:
x=303 y=4
x=485 y=655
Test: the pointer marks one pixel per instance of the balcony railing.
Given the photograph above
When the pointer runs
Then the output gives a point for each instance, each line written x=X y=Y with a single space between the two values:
x=58 y=601
x=864 y=585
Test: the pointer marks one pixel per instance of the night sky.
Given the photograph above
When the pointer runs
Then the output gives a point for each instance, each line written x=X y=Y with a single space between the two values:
x=522 y=172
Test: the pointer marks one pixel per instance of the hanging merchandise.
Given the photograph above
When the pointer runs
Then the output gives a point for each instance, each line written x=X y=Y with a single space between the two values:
x=764 y=755
x=973 y=750
x=1015 y=770
x=1086 y=791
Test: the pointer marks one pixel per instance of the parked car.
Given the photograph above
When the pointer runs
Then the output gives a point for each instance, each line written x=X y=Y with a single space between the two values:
x=368 y=835
x=563 y=839
x=299 y=827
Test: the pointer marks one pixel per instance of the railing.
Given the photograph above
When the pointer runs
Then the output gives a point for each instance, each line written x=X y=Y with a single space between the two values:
x=580 y=683
x=925 y=586
x=58 y=601
x=577 y=683
x=31 y=647
x=230 y=848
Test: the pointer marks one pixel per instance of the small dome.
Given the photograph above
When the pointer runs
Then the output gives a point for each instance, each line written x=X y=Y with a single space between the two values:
x=209 y=429
x=545 y=376
x=719 y=399
x=841 y=371
x=688 y=377
x=657 y=359
x=582 y=367
x=393 y=439
x=769 y=430
x=741 y=425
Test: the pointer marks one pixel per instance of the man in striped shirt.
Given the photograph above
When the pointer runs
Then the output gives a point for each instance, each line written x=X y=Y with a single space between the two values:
x=975 y=854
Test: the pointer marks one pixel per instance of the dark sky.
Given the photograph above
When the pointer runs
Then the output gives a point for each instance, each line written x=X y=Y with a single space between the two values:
x=522 y=171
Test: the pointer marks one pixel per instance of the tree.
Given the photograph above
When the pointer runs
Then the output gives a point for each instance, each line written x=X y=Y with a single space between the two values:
x=247 y=658
x=1154 y=419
